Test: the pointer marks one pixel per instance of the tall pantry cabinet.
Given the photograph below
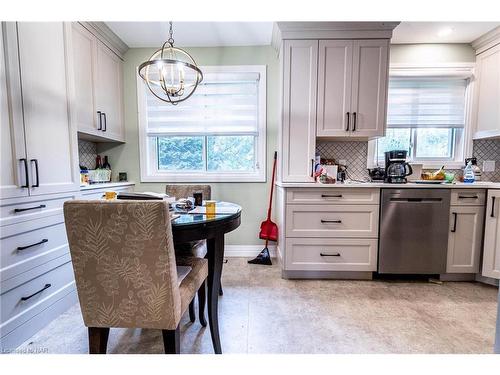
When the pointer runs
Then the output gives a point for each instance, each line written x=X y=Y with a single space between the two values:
x=333 y=85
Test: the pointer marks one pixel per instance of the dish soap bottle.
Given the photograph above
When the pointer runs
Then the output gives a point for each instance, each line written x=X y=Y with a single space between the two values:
x=469 y=173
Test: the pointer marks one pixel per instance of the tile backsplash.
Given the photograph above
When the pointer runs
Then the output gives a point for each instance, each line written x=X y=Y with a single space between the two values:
x=87 y=152
x=355 y=154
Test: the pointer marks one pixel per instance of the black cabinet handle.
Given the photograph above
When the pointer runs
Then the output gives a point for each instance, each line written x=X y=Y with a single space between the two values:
x=47 y=286
x=34 y=244
x=468 y=197
x=26 y=175
x=312 y=167
x=347 y=126
x=331 y=196
x=105 y=127
x=100 y=120
x=331 y=221
x=454 y=222
x=354 y=121
x=29 y=208
x=329 y=255
x=36 y=173
x=492 y=207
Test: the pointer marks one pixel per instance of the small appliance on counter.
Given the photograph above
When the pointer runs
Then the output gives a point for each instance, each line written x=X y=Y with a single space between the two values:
x=376 y=174
x=396 y=167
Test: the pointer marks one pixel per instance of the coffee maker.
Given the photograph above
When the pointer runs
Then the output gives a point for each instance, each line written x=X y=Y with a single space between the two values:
x=396 y=167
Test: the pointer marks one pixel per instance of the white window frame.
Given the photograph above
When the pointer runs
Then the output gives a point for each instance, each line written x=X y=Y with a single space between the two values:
x=147 y=148
x=451 y=70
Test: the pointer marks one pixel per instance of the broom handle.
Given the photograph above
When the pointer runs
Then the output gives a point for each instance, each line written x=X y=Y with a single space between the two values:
x=272 y=187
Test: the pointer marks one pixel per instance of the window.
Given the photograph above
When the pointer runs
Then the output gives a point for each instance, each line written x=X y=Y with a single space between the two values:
x=427 y=117
x=218 y=134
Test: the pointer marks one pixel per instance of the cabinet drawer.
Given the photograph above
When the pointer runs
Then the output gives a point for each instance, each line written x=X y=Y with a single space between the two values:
x=333 y=196
x=18 y=210
x=332 y=221
x=15 y=310
x=30 y=244
x=468 y=197
x=316 y=254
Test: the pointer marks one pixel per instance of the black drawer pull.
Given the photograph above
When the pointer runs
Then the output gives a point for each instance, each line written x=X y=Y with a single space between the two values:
x=29 y=208
x=105 y=126
x=331 y=221
x=454 y=222
x=331 y=196
x=347 y=126
x=26 y=176
x=47 y=286
x=36 y=173
x=468 y=197
x=492 y=206
x=329 y=255
x=34 y=244
x=99 y=116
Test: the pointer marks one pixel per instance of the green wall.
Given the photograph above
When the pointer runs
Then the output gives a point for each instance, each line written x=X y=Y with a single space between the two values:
x=252 y=197
x=432 y=53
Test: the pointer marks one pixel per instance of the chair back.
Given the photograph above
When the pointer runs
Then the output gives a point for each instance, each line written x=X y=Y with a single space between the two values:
x=124 y=263
x=184 y=191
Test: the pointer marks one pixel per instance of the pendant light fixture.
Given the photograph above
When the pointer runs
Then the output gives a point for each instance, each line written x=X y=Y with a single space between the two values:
x=171 y=74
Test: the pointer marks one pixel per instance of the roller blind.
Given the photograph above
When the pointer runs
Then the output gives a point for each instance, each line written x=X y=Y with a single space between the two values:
x=224 y=103
x=426 y=103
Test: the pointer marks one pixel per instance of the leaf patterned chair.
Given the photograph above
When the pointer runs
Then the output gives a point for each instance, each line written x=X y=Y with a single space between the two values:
x=194 y=248
x=126 y=271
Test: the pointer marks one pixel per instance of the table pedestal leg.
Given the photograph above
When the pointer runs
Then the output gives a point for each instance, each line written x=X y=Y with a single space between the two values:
x=215 y=252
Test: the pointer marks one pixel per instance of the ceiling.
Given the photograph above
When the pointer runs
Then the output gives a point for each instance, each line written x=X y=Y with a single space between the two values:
x=214 y=34
x=194 y=34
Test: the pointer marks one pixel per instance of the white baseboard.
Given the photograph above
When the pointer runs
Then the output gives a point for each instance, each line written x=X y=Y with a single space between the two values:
x=247 y=251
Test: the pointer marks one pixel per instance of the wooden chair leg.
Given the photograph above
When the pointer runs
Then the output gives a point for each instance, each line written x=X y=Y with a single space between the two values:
x=192 y=315
x=202 y=299
x=98 y=340
x=171 y=341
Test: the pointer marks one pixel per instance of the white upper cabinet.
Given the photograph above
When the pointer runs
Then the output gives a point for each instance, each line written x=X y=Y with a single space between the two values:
x=14 y=165
x=334 y=88
x=491 y=247
x=369 y=87
x=97 y=77
x=300 y=68
x=487 y=107
x=50 y=136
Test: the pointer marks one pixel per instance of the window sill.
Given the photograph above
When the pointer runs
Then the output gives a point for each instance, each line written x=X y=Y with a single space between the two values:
x=204 y=178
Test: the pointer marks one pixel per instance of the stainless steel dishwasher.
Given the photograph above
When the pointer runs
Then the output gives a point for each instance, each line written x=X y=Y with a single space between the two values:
x=414 y=231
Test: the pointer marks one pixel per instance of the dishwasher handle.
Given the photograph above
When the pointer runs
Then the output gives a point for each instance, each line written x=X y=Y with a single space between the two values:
x=416 y=200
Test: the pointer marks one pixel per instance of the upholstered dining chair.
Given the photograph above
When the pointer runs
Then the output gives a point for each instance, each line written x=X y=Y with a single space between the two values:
x=193 y=248
x=126 y=271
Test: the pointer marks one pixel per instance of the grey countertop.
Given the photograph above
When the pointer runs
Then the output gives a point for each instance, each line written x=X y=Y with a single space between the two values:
x=106 y=185
x=409 y=185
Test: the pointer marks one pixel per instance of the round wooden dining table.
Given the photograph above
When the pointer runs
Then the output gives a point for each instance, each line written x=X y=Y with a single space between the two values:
x=196 y=225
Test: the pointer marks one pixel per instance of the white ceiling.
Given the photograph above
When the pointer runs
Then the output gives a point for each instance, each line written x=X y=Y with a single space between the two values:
x=194 y=34
x=213 y=34
x=432 y=32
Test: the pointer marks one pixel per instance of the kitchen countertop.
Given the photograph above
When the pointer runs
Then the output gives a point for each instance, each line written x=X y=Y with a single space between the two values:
x=106 y=185
x=409 y=185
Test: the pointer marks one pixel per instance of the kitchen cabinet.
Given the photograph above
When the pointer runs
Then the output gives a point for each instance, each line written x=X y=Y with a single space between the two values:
x=491 y=247
x=352 y=88
x=39 y=105
x=298 y=140
x=464 y=239
x=97 y=75
x=487 y=108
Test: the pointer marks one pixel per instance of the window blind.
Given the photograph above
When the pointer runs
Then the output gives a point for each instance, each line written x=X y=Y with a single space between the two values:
x=426 y=103
x=224 y=103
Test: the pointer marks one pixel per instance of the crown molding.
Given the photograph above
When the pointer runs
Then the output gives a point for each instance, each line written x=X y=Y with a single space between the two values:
x=486 y=41
x=107 y=36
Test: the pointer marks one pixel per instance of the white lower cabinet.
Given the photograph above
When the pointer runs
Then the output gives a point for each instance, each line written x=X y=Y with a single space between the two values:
x=491 y=248
x=464 y=239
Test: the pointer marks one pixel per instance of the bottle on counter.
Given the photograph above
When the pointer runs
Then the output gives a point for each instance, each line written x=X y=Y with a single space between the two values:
x=475 y=168
x=98 y=162
x=106 y=164
x=469 y=173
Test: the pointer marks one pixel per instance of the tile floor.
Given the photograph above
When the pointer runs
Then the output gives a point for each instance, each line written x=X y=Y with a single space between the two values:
x=262 y=313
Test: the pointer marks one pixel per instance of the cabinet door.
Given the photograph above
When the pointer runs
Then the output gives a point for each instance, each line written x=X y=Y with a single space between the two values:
x=465 y=238
x=488 y=93
x=83 y=50
x=13 y=180
x=491 y=249
x=334 y=88
x=369 y=87
x=300 y=68
x=50 y=138
x=109 y=92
